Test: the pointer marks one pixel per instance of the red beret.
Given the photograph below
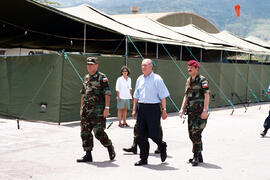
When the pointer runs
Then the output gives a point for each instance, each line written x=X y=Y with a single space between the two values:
x=193 y=63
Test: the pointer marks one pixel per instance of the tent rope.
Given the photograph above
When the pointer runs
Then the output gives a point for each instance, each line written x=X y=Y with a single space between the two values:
x=245 y=81
x=135 y=47
x=72 y=65
x=180 y=70
x=210 y=77
x=119 y=44
x=174 y=104
x=257 y=79
x=232 y=89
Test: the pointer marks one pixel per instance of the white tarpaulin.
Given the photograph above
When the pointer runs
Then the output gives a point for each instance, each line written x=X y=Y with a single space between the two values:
x=238 y=42
x=149 y=26
x=103 y=21
x=140 y=29
x=197 y=33
x=258 y=41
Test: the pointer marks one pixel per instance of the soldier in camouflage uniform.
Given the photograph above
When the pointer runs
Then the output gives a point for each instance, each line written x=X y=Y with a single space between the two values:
x=95 y=103
x=195 y=105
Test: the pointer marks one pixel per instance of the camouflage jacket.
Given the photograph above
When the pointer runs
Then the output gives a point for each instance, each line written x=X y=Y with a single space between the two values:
x=195 y=90
x=94 y=89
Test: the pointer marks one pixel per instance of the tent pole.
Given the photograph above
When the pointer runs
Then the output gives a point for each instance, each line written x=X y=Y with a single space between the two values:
x=201 y=55
x=221 y=53
x=181 y=53
x=157 y=52
x=84 y=38
x=145 y=49
x=126 y=54
x=61 y=90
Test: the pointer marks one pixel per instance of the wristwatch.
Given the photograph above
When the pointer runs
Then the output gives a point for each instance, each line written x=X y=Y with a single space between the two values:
x=163 y=109
x=107 y=107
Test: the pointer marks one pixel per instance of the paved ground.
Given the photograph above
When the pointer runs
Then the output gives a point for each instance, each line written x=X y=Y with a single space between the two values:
x=233 y=150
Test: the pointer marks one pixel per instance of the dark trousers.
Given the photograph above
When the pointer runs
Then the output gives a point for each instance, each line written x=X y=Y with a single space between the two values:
x=267 y=122
x=148 y=122
x=136 y=134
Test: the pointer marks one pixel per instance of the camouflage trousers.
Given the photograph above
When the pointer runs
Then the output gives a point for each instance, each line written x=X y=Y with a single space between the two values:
x=97 y=125
x=195 y=129
x=136 y=134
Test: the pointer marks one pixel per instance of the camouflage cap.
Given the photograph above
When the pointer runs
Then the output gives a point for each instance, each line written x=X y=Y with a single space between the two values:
x=91 y=60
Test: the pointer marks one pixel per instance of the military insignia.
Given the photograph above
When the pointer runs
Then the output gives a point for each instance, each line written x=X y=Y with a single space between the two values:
x=105 y=79
x=204 y=84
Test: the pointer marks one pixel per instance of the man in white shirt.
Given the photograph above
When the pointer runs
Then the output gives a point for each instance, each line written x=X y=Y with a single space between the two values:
x=149 y=105
x=123 y=91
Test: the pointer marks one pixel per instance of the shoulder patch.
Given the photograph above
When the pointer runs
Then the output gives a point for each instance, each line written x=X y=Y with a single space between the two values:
x=105 y=79
x=204 y=84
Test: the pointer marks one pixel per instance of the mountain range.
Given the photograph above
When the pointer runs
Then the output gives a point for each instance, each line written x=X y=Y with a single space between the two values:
x=254 y=19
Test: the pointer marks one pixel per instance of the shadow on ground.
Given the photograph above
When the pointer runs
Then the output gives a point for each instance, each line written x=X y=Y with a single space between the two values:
x=209 y=166
x=103 y=164
x=160 y=167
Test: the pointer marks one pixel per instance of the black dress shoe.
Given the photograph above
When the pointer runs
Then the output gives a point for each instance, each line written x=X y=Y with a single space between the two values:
x=264 y=132
x=157 y=151
x=133 y=149
x=163 y=152
x=141 y=162
x=86 y=158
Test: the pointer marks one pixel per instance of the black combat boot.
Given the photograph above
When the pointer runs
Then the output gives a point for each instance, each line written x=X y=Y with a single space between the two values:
x=111 y=152
x=191 y=159
x=195 y=160
x=132 y=149
x=163 y=152
x=200 y=157
x=264 y=132
x=86 y=158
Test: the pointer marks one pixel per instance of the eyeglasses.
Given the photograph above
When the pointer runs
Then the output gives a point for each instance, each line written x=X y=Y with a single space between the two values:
x=124 y=71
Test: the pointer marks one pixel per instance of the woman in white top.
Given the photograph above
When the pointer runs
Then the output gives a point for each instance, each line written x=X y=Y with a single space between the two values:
x=123 y=91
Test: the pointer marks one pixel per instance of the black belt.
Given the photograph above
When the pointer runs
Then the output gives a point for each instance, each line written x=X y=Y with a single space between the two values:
x=149 y=103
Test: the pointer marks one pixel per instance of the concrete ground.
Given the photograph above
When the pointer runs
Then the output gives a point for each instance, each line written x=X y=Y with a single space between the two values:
x=233 y=150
